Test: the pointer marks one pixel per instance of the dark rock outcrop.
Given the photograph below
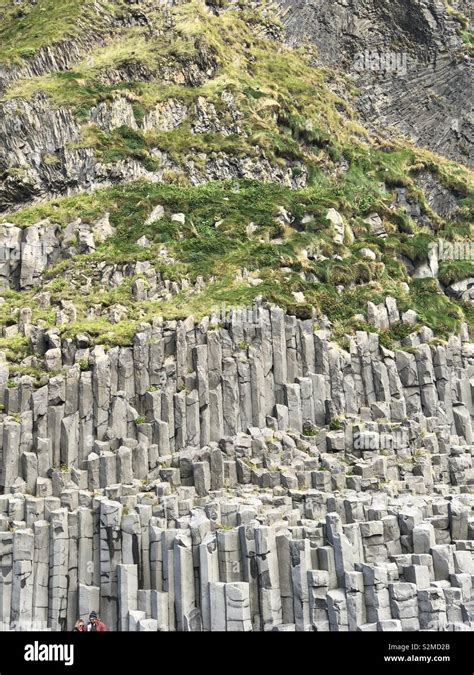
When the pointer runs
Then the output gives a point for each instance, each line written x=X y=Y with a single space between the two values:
x=424 y=95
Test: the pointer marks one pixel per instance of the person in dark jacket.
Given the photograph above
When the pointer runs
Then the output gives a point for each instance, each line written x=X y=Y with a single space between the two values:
x=95 y=624
x=80 y=626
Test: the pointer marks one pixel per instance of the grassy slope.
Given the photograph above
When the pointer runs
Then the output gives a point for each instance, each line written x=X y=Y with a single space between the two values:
x=291 y=114
x=26 y=28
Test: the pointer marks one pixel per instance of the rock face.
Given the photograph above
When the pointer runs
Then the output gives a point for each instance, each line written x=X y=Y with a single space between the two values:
x=26 y=253
x=35 y=152
x=40 y=154
x=244 y=473
x=417 y=88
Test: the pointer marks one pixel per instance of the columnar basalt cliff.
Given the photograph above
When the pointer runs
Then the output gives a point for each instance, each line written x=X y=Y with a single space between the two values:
x=243 y=473
x=236 y=315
